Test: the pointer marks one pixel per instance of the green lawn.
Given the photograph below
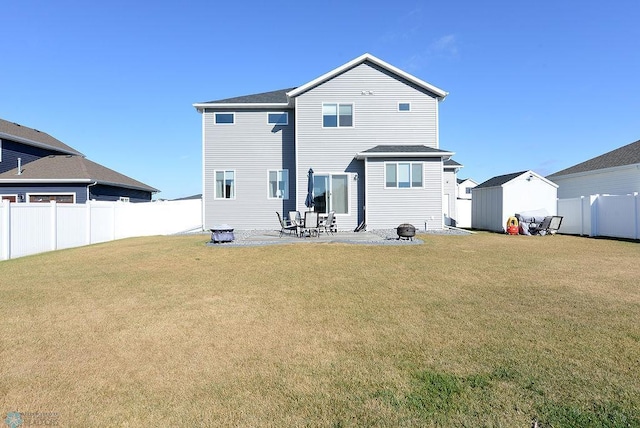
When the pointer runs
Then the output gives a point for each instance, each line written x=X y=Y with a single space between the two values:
x=481 y=330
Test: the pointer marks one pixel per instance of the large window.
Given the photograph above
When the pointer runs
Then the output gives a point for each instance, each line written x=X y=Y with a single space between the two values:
x=225 y=118
x=403 y=175
x=61 y=198
x=278 y=118
x=279 y=184
x=225 y=185
x=337 y=115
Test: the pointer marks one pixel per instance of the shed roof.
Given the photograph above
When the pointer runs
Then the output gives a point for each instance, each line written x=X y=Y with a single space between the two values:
x=272 y=97
x=69 y=169
x=625 y=155
x=415 y=150
x=33 y=137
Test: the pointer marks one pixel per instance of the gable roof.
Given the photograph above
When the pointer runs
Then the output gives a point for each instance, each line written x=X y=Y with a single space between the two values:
x=504 y=179
x=626 y=155
x=441 y=94
x=70 y=169
x=33 y=137
x=402 y=151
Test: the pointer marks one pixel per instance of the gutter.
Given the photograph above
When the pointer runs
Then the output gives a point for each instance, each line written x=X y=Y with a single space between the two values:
x=88 y=193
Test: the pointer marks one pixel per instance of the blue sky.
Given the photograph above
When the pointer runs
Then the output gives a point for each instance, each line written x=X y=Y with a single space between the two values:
x=533 y=85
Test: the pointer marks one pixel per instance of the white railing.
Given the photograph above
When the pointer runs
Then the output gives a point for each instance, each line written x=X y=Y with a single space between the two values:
x=616 y=216
x=34 y=228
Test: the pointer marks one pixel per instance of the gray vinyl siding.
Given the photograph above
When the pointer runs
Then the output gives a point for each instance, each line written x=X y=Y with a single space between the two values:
x=486 y=209
x=613 y=181
x=376 y=120
x=388 y=208
x=250 y=147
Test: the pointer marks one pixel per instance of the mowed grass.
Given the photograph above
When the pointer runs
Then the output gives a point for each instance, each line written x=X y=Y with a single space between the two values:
x=481 y=330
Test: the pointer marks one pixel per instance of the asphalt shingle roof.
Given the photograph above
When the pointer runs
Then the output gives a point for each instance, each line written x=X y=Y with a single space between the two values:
x=626 y=155
x=39 y=137
x=403 y=149
x=499 y=180
x=70 y=167
x=273 y=97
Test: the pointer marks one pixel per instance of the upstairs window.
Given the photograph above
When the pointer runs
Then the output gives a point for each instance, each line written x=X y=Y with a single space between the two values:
x=278 y=118
x=225 y=118
x=225 y=185
x=279 y=184
x=404 y=106
x=403 y=175
x=337 y=115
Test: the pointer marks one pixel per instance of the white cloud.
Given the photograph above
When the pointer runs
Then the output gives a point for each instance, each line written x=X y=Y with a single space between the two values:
x=445 y=45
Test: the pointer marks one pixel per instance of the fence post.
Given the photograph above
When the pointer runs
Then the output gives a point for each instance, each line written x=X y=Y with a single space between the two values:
x=594 y=199
x=636 y=213
x=54 y=225
x=5 y=231
x=88 y=222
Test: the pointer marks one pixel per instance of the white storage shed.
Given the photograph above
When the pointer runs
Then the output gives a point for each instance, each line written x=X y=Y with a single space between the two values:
x=501 y=197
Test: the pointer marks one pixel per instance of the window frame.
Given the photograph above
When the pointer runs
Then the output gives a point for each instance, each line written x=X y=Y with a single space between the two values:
x=337 y=115
x=285 y=197
x=215 y=183
x=404 y=102
x=397 y=180
x=49 y=194
x=215 y=118
x=285 y=113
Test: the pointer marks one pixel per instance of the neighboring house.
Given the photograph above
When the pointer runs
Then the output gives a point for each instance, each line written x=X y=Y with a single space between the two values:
x=450 y=180
x=615 y=173
x=464 y=187
x=35 y=167
x=367 y=129
x=501 y=197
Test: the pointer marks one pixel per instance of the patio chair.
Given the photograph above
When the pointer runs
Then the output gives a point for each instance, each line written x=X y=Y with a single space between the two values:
x=328 y=222
x=311 y=221
x=286 y=225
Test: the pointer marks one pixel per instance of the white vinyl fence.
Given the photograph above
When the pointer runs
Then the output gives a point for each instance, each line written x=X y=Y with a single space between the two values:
x=35 y=228
x=616 y=216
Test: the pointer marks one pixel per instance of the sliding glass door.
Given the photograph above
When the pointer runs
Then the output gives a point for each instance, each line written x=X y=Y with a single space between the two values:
x=331 y=193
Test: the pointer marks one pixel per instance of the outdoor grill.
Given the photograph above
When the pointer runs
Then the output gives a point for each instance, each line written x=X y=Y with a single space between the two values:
x=406 y=231
x=222 y=233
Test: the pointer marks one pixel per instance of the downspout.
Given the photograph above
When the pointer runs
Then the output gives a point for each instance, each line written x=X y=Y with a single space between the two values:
x=88 y=192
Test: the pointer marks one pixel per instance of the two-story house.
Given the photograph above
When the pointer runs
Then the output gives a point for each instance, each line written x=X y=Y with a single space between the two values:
x=36 y=167
x=367 y=130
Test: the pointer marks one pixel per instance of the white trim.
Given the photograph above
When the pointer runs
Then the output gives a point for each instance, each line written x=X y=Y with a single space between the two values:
x=278 y=112
x=235 y=184
x=338 y=104
x=404 y=102
x=215 y=117
x=44 y=180
x=288 y=189
x=357 y=61
x=29 y=195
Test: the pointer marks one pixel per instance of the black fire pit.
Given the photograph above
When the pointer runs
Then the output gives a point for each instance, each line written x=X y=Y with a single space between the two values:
x=406 y=231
